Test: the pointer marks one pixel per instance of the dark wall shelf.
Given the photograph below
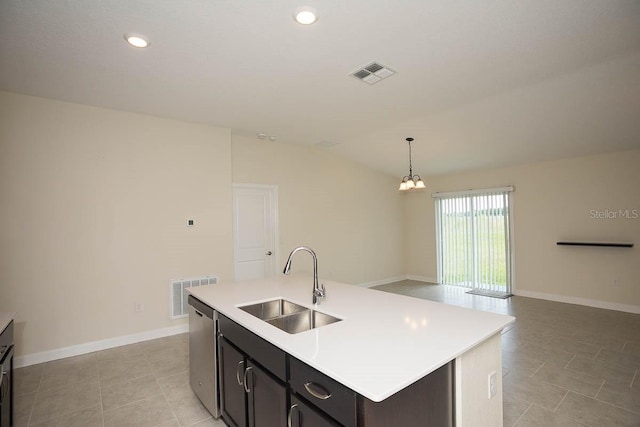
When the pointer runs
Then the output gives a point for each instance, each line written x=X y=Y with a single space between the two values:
x=604 y=244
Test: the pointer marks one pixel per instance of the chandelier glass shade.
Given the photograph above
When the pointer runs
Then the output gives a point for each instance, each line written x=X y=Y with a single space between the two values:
x=411 y=181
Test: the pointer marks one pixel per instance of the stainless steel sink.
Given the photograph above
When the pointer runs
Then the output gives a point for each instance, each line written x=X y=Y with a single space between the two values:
x=271 y=309
x=302 y=321
x=288 y=316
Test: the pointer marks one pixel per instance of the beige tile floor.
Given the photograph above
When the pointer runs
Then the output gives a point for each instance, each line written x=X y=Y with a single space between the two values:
x=142 y=385
x=563 y=365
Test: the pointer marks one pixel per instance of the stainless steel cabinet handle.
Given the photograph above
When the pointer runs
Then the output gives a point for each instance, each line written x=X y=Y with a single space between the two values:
x=269 y=253
x=246 y=381
x=240 y=363
x=317 y=391
x=3 y=390
x=294 y=406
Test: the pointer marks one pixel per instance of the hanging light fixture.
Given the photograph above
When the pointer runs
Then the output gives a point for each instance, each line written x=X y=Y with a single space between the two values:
x=411 y=181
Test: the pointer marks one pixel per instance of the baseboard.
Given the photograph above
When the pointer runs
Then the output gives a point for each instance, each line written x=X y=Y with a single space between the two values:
x=422 y=279
x=381 y=282
x=397 y=279
x=580 y=301
x=76 y=350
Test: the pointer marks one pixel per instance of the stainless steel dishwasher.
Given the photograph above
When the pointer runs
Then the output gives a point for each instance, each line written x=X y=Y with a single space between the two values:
x=203 y=364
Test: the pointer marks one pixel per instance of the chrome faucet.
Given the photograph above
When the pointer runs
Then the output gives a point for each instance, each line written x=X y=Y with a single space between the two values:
x=318 y=290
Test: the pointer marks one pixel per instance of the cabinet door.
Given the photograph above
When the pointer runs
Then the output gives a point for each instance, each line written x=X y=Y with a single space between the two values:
x=267 y=399
x=6 y=371
x=303 y=415
x=232 y=395
x=6 y=391
x=325 y=393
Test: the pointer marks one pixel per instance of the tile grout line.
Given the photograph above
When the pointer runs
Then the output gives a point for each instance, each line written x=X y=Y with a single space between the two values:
x=606 y=403
x=561 y=400
x=166 y=399
x=44 y=369
x=600 y=389
x=522 y=415
x=569 y=362
x=35 y=397
x=596 y=355
x=539 y=367
x=100 y=391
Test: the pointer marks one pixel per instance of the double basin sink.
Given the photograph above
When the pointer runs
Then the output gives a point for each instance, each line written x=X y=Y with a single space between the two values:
x=288 y=316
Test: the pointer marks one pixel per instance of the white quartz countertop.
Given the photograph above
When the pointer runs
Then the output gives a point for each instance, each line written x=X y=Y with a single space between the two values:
x=384 y=343
x=5 y=319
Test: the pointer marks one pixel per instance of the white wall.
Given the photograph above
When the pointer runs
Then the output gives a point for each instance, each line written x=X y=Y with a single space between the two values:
x=553 y=201
x=94 y=204
x=349 y=214
x=92 y=218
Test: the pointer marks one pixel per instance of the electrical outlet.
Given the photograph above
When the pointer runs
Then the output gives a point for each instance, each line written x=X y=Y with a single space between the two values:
x=492 y=384
x=139 y=307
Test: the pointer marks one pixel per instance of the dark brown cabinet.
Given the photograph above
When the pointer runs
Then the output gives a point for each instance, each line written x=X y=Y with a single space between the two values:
x=326 y=394
x=267 y=398
x=262 y=386
x=251 y=395
x=6 y=373
x=302 y=414
x=233 y=398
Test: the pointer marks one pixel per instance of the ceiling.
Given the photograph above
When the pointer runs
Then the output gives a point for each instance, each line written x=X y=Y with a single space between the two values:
x=478 y=84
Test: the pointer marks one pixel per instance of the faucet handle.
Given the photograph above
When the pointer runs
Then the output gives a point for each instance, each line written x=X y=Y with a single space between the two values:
x=319 y=293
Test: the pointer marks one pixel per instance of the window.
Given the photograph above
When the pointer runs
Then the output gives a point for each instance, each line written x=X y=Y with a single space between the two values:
x=474 y=240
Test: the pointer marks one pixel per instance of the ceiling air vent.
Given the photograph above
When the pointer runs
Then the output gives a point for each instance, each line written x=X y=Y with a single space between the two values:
x=373 y=73
x=373 y=67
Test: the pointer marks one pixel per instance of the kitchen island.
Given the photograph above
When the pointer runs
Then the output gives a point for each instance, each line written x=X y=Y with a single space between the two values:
x=383 y=343
x=6 y=369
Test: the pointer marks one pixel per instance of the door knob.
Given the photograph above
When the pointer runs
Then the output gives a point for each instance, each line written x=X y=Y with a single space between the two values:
x=269 y=253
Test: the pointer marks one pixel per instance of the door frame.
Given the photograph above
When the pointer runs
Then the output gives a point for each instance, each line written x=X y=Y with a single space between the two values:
x=273 y=189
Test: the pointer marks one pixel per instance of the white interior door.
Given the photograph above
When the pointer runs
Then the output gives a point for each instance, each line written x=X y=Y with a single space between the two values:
x=255 y=219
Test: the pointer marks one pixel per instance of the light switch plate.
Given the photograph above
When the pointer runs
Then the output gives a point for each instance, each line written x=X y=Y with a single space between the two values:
x=492 y=384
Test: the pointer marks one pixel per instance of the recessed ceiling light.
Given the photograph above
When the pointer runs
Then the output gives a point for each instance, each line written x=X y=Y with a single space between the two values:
x=305 y=15
x=136 y=40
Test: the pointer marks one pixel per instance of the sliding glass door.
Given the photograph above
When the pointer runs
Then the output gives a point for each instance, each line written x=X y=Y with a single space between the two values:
x=474 y=240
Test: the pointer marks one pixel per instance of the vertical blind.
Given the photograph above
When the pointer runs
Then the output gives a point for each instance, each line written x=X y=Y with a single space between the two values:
x=474 y=239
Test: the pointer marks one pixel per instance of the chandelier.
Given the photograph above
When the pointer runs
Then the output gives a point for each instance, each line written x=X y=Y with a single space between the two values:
x=411 y=181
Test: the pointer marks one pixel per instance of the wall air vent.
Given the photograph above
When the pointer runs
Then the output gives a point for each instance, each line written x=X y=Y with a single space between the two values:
x=179 y=304
x=373 y=73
